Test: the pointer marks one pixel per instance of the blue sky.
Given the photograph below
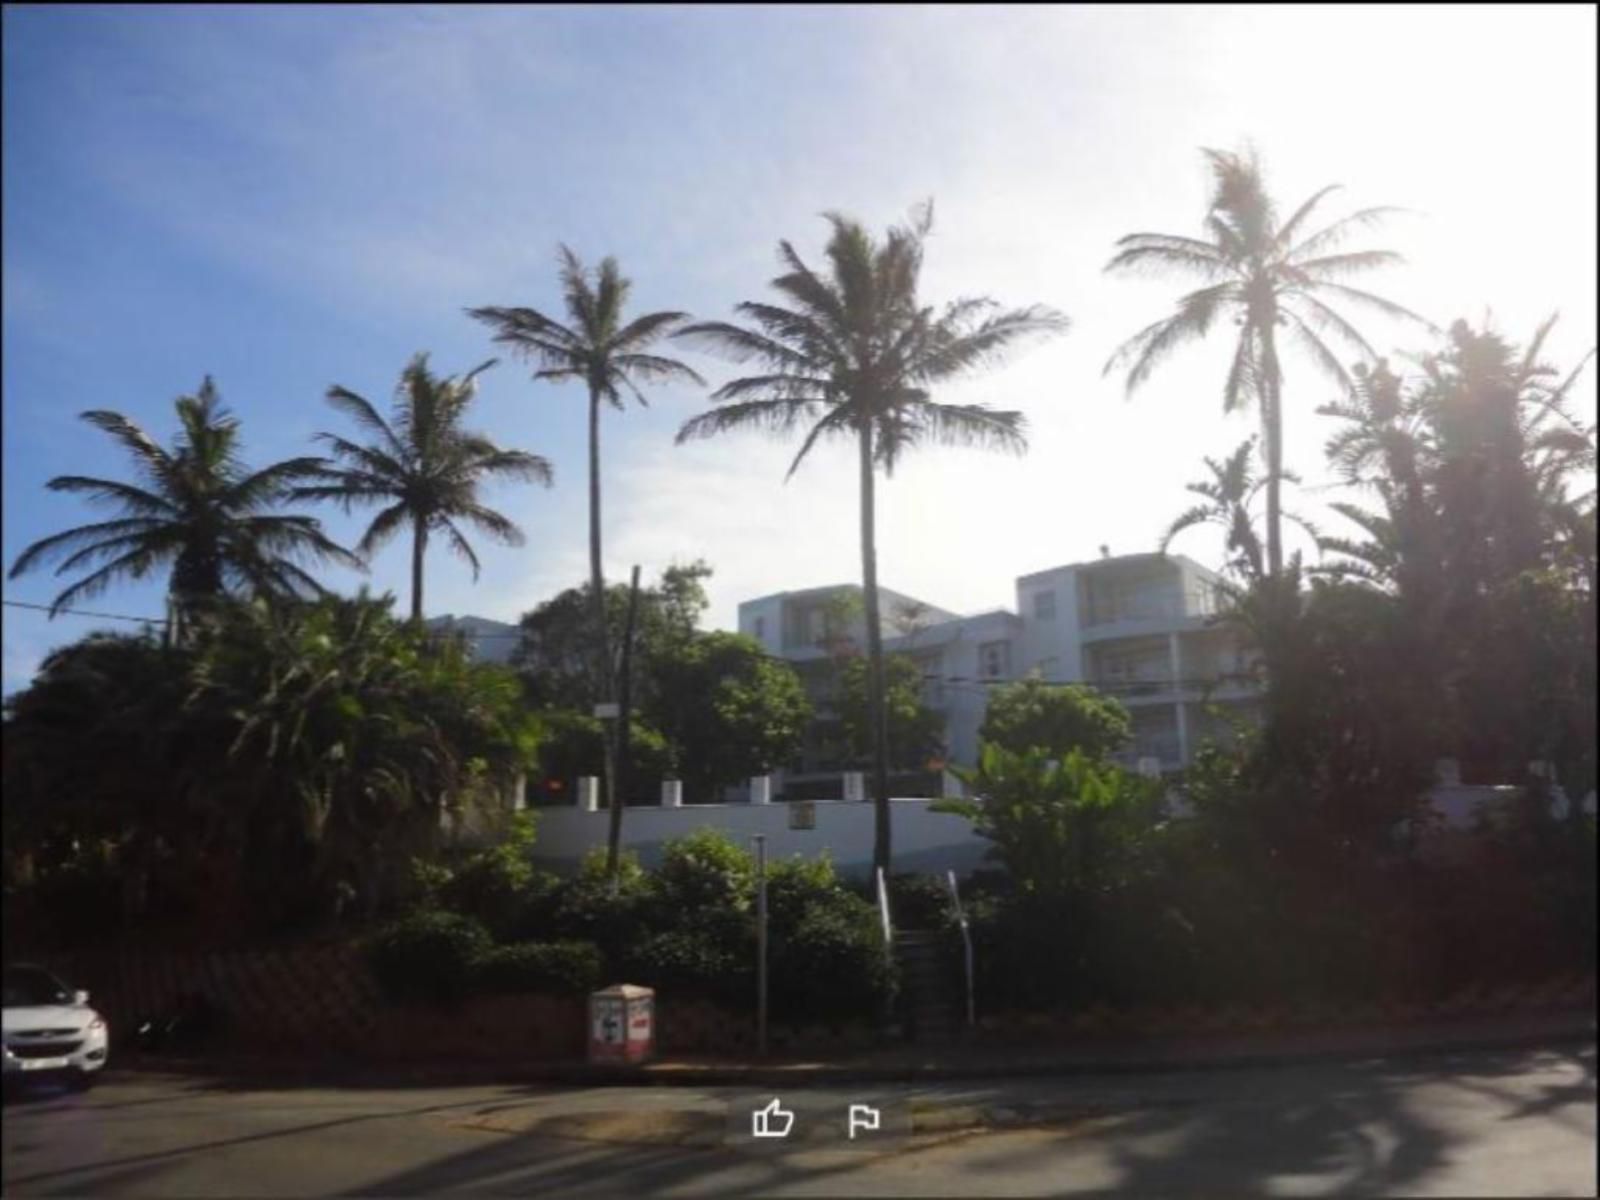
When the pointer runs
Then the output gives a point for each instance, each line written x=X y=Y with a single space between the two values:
x=289 y=197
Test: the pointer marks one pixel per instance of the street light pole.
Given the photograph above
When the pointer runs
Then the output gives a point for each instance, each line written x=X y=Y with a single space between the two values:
x=761 y=944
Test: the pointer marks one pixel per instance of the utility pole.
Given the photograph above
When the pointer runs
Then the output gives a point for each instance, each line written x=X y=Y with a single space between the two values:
x=619 y=791
x=761 y=944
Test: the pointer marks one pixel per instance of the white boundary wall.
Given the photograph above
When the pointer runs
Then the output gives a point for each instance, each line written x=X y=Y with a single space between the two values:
x=922 y=841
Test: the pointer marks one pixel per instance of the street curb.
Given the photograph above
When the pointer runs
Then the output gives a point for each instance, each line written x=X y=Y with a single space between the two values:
x=1562 y=1030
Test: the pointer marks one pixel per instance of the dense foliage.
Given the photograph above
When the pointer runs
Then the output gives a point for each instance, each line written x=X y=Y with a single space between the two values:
x=282 y=768
x=1058 y=718
x=709 y=708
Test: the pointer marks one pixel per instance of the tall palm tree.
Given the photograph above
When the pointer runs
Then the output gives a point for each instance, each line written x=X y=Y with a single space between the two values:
x=1229 y=495
x=1268 y=278
x=424 y=467
x=854 y=354
x=196 y=506
x=609 y=357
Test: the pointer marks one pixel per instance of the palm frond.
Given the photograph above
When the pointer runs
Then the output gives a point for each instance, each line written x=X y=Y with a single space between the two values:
x=1316 y=349
x=96 y=535
x=952 y=350
x=1347 y=264
x=1334 y=234
x=1164 y=253
x=136 y=564
x=109 y=491
x=1387 y=307
x=383 y=527
x=741 y=345
x=773 y=416
x=1286 y=232
x=654 y=368
x=496 y=525
x=147 y=454
x=361 y=410
x=532 y=335
x=968 y=425
x=1152 y=345
x=1200 y=514
x=641 y=331
x=462 y=548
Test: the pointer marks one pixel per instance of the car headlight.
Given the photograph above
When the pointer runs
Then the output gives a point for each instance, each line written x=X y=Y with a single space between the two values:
x=97 y=1025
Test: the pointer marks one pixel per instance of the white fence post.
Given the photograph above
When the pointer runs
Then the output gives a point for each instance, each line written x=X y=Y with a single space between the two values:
x=589 y=793
x=672 y=793
x=761 y=789
x=855 y=787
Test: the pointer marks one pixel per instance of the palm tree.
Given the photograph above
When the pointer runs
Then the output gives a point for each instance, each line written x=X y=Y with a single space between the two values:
x=424 y=467
x=198 y=507
x=609 y=358
x=854 y=354
x=1255 y=270
x=1228 y=495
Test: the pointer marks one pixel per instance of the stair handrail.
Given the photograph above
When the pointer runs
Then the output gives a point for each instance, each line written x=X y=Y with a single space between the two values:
x=966 y=941
x=888 y=940
x=883 y=913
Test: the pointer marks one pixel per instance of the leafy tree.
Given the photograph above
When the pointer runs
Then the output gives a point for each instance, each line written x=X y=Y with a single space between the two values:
x=573 y=746
x=197 y=507
x=856 y=354
x=551 y=656
x=609 y=357
x=1479 y=537
x=727 y=709
x=361 y=733
x=1057 y=718
x=1229 y=495
x=424 y=466
x=120 y=695
x=1267 y=276
x=916 y=732
x=1061 y=828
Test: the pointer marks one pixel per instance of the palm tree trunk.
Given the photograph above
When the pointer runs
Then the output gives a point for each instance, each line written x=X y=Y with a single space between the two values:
x=602 y=638
x=419 y=547
x=877 y=716
x=1272 y=428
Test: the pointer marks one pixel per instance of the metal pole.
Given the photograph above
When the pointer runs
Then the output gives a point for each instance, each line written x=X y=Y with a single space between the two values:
x=966 y=943
x=761 y=944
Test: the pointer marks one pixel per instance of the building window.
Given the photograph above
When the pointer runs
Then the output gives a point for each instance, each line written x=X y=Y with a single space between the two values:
x=1049 y=669
x=994 y=660
x=761 y=629
x=1044 y=606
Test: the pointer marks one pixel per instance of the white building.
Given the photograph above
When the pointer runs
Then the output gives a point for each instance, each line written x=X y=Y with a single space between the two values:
x=1137 y=627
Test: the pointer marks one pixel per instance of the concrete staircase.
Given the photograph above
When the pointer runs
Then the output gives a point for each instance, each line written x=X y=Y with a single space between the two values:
x=933 y=1011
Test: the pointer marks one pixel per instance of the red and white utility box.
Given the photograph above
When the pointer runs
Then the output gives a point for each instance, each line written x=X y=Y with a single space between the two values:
x=622 y=1024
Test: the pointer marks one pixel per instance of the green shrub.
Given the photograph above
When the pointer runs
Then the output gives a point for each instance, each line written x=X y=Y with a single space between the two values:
x=691 y=963
x=614 y=915
x=557 y=967
x=427 y=956
x=831 y=965
x=703 y=870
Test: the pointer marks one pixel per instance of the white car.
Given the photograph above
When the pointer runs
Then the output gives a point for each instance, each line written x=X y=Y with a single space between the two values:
x=49 y=1029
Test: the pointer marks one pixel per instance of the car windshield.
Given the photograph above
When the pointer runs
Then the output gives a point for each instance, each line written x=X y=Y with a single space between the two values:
x=26 y=986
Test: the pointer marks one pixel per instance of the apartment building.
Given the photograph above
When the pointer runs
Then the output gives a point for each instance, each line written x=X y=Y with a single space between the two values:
x=1137 y=626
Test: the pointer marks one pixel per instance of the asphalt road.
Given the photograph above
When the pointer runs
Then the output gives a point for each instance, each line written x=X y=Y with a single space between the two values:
x=1504 y=1123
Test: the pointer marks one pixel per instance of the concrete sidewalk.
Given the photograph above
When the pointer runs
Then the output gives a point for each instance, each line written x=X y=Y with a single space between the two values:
x=911 y=1063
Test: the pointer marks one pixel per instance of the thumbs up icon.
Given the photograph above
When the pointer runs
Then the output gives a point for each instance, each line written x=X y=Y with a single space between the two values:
x=773 y=1121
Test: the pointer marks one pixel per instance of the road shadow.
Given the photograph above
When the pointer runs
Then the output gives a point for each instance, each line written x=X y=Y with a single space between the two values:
x=1350 y=1128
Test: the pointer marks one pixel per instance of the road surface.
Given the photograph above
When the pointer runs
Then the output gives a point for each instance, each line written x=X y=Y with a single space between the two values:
x=1503 y=1122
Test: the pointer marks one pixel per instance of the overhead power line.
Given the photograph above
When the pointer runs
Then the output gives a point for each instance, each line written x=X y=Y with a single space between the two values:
x=78 y=612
